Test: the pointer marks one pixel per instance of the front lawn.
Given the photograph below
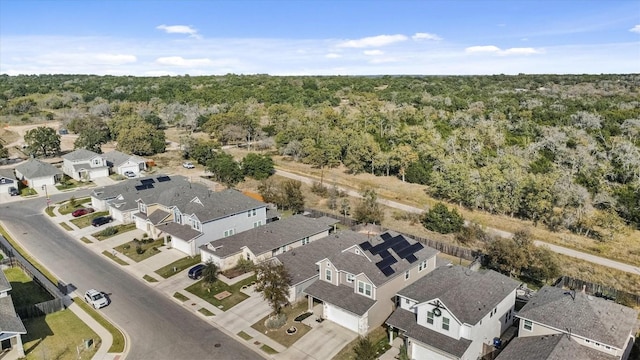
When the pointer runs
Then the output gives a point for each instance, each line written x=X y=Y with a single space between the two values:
x=28 y=192
x=138 y=250
x=178 y=265
x=113 y=231
x=117 y=346
x=378 y=337
x=69 y=183
x=24 y=291
x=114 y=258
x=200 y=290
x=280 y=335
x=68 y=208
x=85 y=221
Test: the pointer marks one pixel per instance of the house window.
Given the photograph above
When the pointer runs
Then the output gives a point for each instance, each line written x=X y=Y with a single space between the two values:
x=305 y=241
x=327 y=274
x=143 y=208
x=228 y=232
x=429 y=317
x=248 y=256
x=406 y=275
x=328 y=264
x=528 y=325
x=196 y=225
x=406 y=301
x=257 y=223
x=253 y=212
x=364 y=288
x=350 y=278
x=249 y=213
x=445 y=323
x=423 y=265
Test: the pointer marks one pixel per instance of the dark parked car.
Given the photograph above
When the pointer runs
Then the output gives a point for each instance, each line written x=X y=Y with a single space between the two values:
x=195 y=272
x=13 y=191
x=101 y=220
x=81 y=212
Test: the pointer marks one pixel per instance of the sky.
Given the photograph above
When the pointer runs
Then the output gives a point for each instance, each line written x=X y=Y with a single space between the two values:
x=319 y=37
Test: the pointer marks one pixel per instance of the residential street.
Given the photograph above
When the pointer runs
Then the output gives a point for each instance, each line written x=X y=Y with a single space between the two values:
x=157 y=327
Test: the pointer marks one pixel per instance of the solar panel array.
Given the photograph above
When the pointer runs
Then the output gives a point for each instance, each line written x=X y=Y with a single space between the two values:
x=399 y=245
x=163 y=178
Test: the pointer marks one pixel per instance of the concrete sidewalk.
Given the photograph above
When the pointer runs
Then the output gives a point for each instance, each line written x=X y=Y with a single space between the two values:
x=105 y=336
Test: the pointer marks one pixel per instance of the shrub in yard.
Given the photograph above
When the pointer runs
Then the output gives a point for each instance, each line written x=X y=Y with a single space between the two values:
x=110 y=231
x=126 y=246
x=245 y=265
x=275 y=322
x=145 y=235
x=139 y=249
x=319 y=189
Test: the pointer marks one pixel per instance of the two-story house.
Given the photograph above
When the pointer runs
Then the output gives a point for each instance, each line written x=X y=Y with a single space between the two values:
x=357 y=286
x=605 y=329
x=84 y=165
x=119 y=162
x=263 y=242
x=11 y=326
x=454 y=313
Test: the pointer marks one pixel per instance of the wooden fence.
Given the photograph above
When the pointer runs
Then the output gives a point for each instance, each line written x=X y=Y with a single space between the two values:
x=599 y=290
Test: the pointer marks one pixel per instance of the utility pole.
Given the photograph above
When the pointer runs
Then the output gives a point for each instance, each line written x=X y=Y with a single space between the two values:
x=46 y=193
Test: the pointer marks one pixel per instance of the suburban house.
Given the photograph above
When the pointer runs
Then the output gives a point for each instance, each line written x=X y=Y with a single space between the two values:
x=266 y=241
x=36 y=174
x=7 y=180
x=550 y=347
x=11 y=327
x=357 y=286
x=454 y=313
x=119 y=162
x=605 y=328
x=84 y=165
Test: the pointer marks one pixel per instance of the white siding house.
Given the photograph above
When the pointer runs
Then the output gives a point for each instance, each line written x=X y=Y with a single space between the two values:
x=119 y=162
x=84 y=165
x=37 y=174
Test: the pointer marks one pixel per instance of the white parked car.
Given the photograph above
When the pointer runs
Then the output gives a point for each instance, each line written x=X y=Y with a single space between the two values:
x=96 y=298
x=129 y=174
x=188 y=165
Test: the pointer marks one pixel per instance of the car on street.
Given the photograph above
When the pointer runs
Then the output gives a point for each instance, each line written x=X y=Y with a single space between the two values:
x=96 y=298
x=13 y=191
x=101 y=220
x=129 y=174
x=195 y=272
x=188 y=165
x=81 y=212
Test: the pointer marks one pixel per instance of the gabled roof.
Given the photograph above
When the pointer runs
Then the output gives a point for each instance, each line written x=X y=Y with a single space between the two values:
x=8 y=176
x=5 y=285
x=9 y=321
x=550 y=347
x=117 y=158
x=406 y=320
x=468 y=294
x=341 y=296
x=590 y=317
x=35 y=168
x=301 y=261
x=356 y=264
x=271 y=236
x=184 y=232
x=79 y=155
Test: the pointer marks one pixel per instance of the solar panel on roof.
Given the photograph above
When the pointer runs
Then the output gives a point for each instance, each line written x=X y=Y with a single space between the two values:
x=410 y=250
x=140 y=187
x=147 y=181
x=366 y=245
x=387 y=271
x=384 y=254
x=163 y=178
x=411 y=258
x=385 y=236
x=386 y=262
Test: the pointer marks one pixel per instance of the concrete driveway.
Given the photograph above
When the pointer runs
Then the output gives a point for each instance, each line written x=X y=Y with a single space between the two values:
x=324 y=341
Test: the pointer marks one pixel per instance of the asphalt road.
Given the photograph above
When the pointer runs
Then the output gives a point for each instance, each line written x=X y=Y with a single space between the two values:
x=157 y=327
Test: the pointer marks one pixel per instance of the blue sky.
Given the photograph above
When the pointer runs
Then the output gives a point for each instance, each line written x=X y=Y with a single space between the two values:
x=324 y=37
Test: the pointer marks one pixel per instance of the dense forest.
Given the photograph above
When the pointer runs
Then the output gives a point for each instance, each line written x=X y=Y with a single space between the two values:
x=562 y=151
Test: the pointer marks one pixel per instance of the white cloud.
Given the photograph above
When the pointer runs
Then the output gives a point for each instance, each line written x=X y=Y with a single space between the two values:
x=492 y=49
x=333 y=56
x=180 y=61
x=426 y=36
x=373 y=41
x=635 y=29
x=178 y=29
x=373 y=52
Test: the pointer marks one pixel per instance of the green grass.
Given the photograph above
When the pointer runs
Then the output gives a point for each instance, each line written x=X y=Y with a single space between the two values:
x=27 y=257
x=66 y=226
x=245 y=336
x=50 y=212
x=28 y=192
x=85 y=240
x=378 y=337
x=119 y=229
x=67 y=209
x=206 y=312
x=180 y=297
x=280 y=335
x=179 y=265
x=150 y=279
x=148 y=250
x=268 y=349
x=71 y=184
x=24 y=291
x=118 y=337
x=56 y=336
x=200 y=290
x=114 y=258
x=85 y=221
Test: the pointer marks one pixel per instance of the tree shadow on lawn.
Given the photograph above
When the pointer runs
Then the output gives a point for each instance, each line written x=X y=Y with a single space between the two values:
x=280 y=334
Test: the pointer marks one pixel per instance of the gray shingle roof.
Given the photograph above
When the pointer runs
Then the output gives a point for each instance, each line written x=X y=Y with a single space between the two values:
x=184 y=232
x=550 y=347
x=157 y=216
x=406 y=321
x=469 y=295
x=80 y=154
x=9 y=321
x=341 y=296
x=7 y=176
x=117 y=158
x=5 y=285
x=587 y=316
x=35 y=168
x=356 y=264
x=272 y=235
x=301 y=262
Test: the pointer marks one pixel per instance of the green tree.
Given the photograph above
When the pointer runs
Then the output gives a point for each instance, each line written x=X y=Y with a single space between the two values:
x=257 y=166
x=368 y=210
x=505 y=256
x=291 y=195
x=142 y=139
x=442 y=220
x=42 y=141
x=273 y=282
x=225 y=169
x=209 y=274
x=364 y=349
x=92 y=135
x=4 y=152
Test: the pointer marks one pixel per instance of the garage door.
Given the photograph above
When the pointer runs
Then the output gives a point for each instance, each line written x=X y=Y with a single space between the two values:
x=419 y=352
x=342 y=318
